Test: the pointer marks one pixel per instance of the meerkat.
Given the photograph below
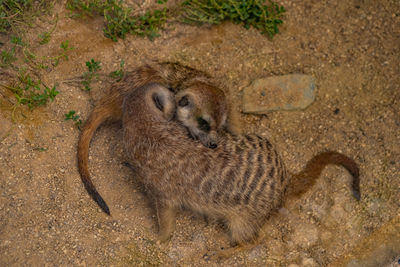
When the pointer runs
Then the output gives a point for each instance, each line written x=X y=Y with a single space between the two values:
x=240 y=182
x=203 y=117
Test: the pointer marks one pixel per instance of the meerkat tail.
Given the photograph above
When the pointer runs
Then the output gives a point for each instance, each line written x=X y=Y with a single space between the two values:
x=304 y=180
x=99 y=115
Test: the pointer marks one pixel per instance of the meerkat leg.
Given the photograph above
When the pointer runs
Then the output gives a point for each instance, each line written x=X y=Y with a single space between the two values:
x=242 y=231
x=243 y=235
x=166 y=216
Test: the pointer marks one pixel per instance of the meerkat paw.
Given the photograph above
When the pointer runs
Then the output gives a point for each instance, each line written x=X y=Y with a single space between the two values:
x=163 y=238
x=166 y=221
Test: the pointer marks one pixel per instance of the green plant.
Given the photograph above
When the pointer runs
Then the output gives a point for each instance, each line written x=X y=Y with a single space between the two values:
x=7 y=56
x=40 y=149
x=28 y=91
x=264 y=17
x=119 y=20
x=17 y=40
x=93 y=67
x=44 y=37
x=44 y=62
x=118 y=74
x=27 y=87
x=11 y=10
x=66 y=48
x=85 y=8
x=71 y=116
x=17 y=13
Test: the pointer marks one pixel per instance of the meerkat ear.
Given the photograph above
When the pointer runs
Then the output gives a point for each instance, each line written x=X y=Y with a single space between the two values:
x=158 y=101
x=165 y=103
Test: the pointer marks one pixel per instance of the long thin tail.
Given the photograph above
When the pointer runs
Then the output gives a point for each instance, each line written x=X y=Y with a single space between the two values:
x=100 y=114
x=109 y=109
x=304 y=180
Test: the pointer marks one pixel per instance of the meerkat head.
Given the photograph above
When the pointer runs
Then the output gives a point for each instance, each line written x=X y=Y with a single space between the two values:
x=201 y=108
x=163 y=100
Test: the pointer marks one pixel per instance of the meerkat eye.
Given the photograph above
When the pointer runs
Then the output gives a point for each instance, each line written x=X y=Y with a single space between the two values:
x=203 y=125
x=184 y=101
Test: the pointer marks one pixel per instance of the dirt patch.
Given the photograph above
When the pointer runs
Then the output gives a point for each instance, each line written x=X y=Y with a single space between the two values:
x=351 y=48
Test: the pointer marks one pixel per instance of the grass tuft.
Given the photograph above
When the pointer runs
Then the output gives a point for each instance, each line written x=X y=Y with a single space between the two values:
x=19 y=13
x=118 y=19
x=7 y=57
x=118 y=74
x=93 y=67
x=71 y=115
x=32 y=93
x=252 y=13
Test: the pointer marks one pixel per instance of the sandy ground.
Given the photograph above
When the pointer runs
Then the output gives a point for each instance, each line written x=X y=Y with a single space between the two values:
x=352 y=48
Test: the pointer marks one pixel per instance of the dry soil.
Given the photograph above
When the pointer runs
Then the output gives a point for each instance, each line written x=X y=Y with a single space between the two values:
x=352 y=48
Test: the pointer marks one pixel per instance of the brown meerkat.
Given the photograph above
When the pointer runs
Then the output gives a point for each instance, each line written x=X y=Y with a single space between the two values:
x=203 y=119
x=240 y=182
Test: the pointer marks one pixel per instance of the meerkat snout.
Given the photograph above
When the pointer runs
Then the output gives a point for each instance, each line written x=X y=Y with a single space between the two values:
x=200 y=125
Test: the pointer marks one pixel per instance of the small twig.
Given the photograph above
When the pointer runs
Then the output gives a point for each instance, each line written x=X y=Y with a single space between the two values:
x=73 y=80
x=10 y=17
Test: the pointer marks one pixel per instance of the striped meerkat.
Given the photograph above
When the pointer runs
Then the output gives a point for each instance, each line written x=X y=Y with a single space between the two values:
x=240 y=182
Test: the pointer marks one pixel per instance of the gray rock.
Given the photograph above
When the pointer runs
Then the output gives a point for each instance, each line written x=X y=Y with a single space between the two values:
x=287 y=92
x=186 y=251
x=382 y=256
x=338 y=213
x=305 y=235
x=257 y=254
